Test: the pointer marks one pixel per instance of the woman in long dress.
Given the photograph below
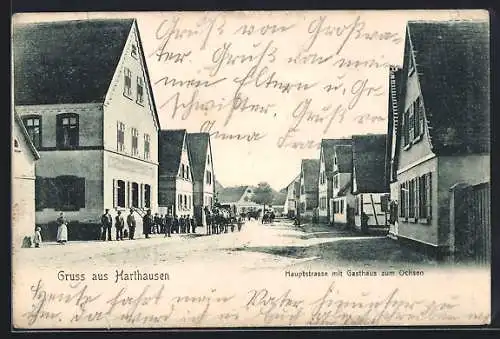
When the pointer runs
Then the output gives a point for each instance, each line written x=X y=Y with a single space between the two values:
x=62 y=229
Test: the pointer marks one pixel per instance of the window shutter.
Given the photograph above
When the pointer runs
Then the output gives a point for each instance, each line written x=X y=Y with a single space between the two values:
x=421 y=116
x=407 y=200
x=141 y=196
x=428 y=187
x=115 y=194
x=128 y=200
x=417 y=197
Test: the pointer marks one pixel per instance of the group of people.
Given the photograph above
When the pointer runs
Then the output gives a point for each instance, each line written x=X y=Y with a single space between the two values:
x=157 y=224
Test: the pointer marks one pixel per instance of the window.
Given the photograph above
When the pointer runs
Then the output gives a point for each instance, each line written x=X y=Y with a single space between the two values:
x=120 y=136
x=33 y=125
x=183 y=171
x=133 y=51
x=140 y=90
x=127 y=89
x=189 y=201
x=185 y=201
x=187 y=172
x=208 y=159
x=209 y=177
x=413 y=122
x=335 y=182
x=146 y=146
x=341 y=206
x=135 y=194
x=415 y=199
x=67 y=130
x=147 y=196
x=135 y=143
x=63 y=193
x=356 y=204
x=180 y=201
x=120 y=193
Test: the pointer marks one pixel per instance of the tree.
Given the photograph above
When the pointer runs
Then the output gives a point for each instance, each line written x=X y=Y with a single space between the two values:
x=263 y=195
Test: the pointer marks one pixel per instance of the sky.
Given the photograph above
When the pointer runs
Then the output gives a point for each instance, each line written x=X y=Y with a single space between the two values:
x=269 y=86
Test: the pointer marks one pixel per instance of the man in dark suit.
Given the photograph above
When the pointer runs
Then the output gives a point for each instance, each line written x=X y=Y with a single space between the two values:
x=106 y=224
x=131 y=225
x=119 y=225
x=147 y=223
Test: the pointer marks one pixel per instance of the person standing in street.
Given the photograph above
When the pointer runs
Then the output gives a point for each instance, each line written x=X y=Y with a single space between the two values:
x=62 y=229
x=119 y=225
x=106 y=223
x=38 y=237
x=168 y=224
x=131 y=224
x=193 y=224
x=147 y=223
x=175 y=224
x=156 y=224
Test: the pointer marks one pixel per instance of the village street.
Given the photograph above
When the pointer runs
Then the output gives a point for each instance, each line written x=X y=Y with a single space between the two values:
x=258 y=246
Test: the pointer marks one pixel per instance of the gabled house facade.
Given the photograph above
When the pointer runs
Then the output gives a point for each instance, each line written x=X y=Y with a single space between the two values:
x=368 y=185
x=443 y=138
x=309 y=172
x=239 y=198
x=292 y=198
x=23 y=158
x=325 y=176
x=200 y=150
x=342 y=201
x=86 y=101
x=175 y=173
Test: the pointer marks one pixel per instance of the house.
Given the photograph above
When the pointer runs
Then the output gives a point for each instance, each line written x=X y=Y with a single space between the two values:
x=443 y=138
x=175 y=173
x=309 y=172
x=292 y=198
x=368 y=185
x=83 y=92
x=325 y=177
x=342 y=201
x=23 y=156
x=392 y=127
x=200 y=151
x=239 y=198
x=278 y=203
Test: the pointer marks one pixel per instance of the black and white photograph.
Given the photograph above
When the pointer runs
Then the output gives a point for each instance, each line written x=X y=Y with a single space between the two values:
x=250 y=169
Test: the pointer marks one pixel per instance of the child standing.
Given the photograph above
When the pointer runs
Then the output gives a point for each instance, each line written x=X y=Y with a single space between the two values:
x=38 y=237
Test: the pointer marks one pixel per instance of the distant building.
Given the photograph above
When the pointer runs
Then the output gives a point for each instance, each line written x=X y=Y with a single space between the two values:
x=342 y=202
x=309 y=172
x=368 y=179
x=83 y=92
x=175 y=174
x=325 y=177
x=24 y=155
x=292 y=198
x=440 y=161
x=239 y=198
x=200 y=150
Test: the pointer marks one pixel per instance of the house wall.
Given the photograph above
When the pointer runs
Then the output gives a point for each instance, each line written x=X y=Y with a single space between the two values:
x=203 y=191
x=120 y=108
x=90 y=123
x=128 y=169
x=376 y=217
x=348 y=200
x=322 y=191
x=469 y=169
x=420 y=232
x=80 y=163
x=23 y=189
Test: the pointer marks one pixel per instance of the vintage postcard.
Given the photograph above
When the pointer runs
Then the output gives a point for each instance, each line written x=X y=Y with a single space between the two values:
x=250 y=169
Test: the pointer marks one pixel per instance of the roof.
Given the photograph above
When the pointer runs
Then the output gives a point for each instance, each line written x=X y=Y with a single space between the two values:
x=198 y=145
x=67 y=61
x=231 y=194
x=328 y=147
x=344 y=158
x=170 y=144
x=217 y=186
x=26 y=136
x=453 y=66
x=344 y=189
x=394 y=85
x=368 y=157
x=294 y=181
x=310 y=168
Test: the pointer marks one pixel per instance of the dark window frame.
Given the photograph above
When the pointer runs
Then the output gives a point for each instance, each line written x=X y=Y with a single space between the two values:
x=127 y=82
x=28 y=128
x=60 y=128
